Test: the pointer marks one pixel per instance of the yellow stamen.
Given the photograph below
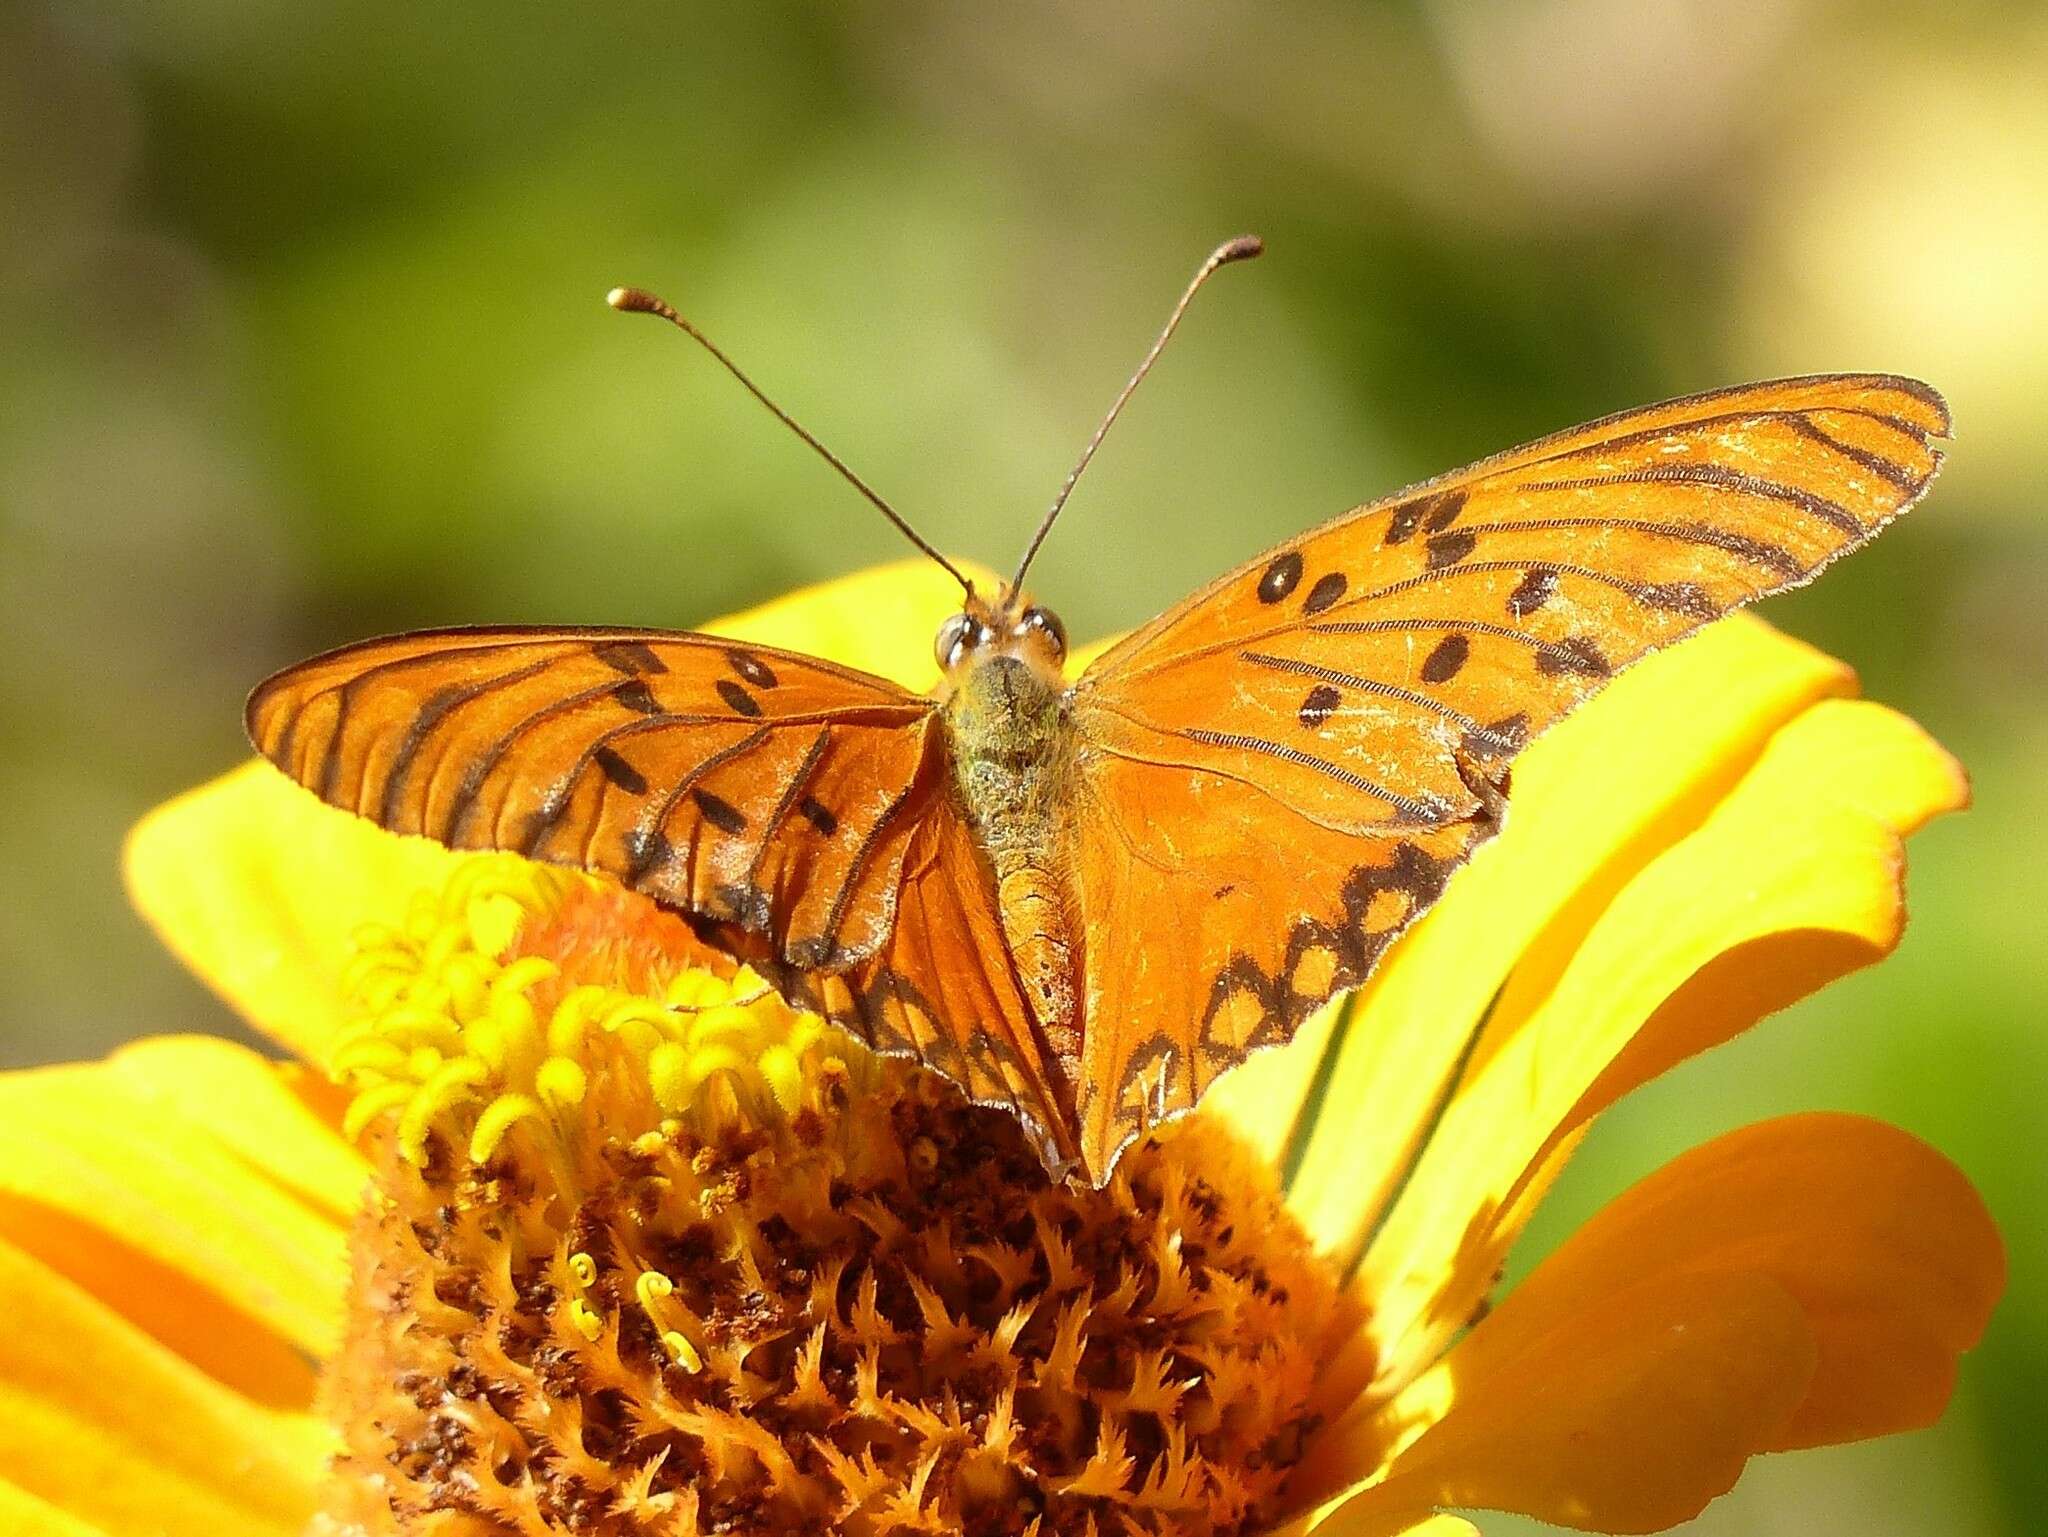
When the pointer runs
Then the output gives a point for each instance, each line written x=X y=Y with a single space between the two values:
x=372 y=1103
x=499 y=1117
x=561 y=1083
x=837 y=1265
x=684 y=1352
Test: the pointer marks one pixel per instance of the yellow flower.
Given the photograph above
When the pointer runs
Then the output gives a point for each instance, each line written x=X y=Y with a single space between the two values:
x=643 y=1250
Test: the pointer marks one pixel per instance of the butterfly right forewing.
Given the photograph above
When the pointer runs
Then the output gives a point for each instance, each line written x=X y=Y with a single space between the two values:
x=1357 y=697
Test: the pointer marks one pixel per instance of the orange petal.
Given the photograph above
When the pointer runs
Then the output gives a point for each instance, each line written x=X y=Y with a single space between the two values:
x=1880 y=1239
x=882 y=620
x=1779 y=890
x=1627 y=1412
x=103 y=1423
x=136 y=1193
x=1593 y=801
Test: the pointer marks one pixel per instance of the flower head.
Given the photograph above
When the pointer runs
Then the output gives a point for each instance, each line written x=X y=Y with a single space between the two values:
x=650 y=1246
x=646 y=1250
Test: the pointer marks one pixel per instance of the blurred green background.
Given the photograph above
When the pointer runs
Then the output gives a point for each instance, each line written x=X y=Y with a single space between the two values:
x=303 y=341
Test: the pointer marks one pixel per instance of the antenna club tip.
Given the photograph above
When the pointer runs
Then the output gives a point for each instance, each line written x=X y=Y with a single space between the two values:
x=633 y=300
x=1243 y=248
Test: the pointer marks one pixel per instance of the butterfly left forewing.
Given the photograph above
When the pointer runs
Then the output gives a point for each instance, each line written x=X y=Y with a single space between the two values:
x=794 y=809
x=1353 y=700
x=732 y=782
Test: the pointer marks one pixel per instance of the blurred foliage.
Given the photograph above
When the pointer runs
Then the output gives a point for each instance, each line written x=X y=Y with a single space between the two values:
x=304 y=342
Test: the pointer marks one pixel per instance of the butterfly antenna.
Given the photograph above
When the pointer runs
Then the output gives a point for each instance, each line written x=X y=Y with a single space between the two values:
x=1243 y=248
x=639 y=301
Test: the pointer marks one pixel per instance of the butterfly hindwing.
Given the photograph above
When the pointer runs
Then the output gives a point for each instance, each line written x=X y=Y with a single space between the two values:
x=1356 y=696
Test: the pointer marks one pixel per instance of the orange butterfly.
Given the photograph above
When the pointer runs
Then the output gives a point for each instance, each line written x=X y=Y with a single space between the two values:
x=1084 y=901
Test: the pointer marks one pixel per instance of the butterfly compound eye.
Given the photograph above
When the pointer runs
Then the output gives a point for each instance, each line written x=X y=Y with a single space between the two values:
x=957 y=636
x=1044 y=622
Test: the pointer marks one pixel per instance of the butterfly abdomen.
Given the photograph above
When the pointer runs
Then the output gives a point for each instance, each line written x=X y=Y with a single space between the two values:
x=1009 y=736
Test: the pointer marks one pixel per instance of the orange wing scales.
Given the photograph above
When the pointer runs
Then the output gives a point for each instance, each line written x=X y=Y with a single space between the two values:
x=672 y=764
x=792 y=809
x=1356 y=696
x=1268 y=783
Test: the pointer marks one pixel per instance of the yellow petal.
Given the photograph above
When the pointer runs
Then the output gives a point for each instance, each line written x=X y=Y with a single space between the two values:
x=101 y=1422
x=1270 y=1096
x=1593 y=801
x=170 y=1224
x=1851 y=754
x=245 y=1103
x=1083 y=657
x=259 y=889
x=882 y=620
x=1340 y=1522
x=24 y=1515
x=1882 y=1242
x=1627 y=1413
x=1778 y=891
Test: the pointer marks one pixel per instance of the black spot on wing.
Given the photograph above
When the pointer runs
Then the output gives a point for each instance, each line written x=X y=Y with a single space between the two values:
x=1443 y=663
x=1280 y=577
x=1444 y=512
x=619 y=771
x=1575 y=654
x=1448 y=549
x=1327 y=590
x=818 y=814
x=721 y=814
x=629 y=657
x=751 y=668
x=746 y=905
x=1508 y=735
x=1319 y=706
x=534 y=828
x=637 y=697
x=1687 y=598
x=1532 y=592
x=645 y=849
x=1431 y=514
x=738 y=700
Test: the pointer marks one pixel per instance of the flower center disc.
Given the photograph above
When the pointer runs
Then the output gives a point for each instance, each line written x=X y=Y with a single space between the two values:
x=651 y=1252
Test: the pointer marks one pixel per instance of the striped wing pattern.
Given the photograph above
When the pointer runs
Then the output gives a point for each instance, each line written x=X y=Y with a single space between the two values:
x=1352 y=700
x=794 y=809
x=1356 y=697
x=732 y=782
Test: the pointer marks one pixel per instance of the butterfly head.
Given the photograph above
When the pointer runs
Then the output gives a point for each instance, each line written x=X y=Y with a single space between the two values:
x=1012 y=627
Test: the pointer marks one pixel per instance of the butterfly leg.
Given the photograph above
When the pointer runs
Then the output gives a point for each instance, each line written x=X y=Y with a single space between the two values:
x=1489 y=785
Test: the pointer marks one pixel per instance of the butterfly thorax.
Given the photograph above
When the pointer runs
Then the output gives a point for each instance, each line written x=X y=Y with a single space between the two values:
x=1010 y=757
